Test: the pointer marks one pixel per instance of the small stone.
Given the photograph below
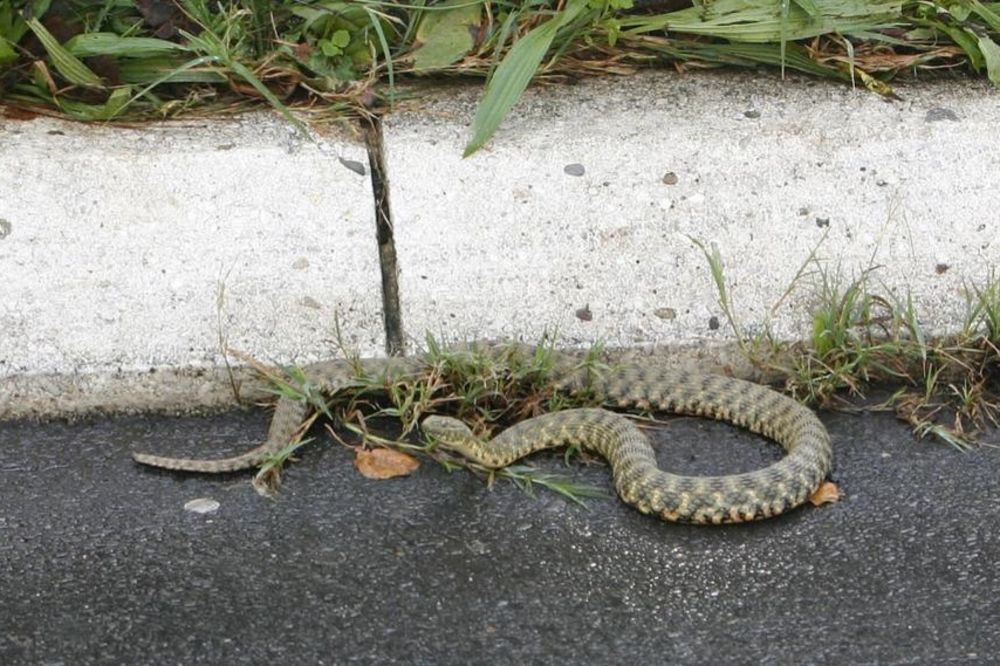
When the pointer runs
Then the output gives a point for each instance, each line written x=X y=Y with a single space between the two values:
x=822 y=222
x=665 y=313
x=584 y=313
x=202 y=505
x=300 y=264
x=939 y=113
x=713 y=323
x=356 y=167
x=752 y=113
x=309 y=302
x=941 y=268
x=5 y=228
x=670 y=178
x=574 y=169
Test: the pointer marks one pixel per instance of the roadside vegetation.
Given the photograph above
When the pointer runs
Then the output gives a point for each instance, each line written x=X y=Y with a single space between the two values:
x=864 y=341
x=132 y=59
x=313 y=60
x=487 y=387
x=864 y=337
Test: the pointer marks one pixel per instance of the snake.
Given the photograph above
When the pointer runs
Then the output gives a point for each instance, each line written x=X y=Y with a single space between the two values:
x=734 y=498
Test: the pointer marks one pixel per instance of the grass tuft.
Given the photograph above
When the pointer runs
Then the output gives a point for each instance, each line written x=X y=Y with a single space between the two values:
x=488 y=388
x=865 y=337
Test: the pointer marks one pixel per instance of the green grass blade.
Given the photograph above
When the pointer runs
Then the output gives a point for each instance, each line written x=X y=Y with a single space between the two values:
x=966 y=41
x=514 y=74
x=190 y=64
x=991 y=54
x=808 y=6
x=989 y=15
x=386 y=50
x=67 y=64
x=93 y=112
x=248 y=76
x=766 y=20
x=86 y=45
x=785 y=8
x=7 y=52
x=143 y=71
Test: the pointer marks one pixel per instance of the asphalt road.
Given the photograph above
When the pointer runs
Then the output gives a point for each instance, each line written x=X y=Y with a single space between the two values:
x=100 y=563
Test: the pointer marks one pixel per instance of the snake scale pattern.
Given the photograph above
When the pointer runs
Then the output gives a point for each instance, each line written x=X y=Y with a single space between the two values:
x=693 y=499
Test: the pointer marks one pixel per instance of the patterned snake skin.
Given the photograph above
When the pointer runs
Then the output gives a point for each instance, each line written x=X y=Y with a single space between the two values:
x=719 y=499
x=639 y=482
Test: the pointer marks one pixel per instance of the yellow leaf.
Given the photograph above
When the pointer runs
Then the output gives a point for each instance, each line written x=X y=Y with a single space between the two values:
x=826 y=493
x=384 y=463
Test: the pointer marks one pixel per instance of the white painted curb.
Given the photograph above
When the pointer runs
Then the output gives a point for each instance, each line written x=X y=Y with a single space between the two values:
x=578 y=217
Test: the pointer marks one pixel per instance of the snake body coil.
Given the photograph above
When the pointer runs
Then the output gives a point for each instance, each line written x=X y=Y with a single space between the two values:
x=709 y=499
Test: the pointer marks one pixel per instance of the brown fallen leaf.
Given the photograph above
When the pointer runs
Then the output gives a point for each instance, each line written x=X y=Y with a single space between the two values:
x=384 y=463
x=827 y=492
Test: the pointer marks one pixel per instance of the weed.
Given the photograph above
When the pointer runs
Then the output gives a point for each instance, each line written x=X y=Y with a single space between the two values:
x=108 y=60
x=267 y=481
x=525 y=477
x=488 y=387
x=863 y=336
x=946 y=387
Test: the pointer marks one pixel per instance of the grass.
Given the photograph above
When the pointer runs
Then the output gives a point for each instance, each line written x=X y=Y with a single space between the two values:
x=863 y=338
x=108 y=60
x=488 y=388
x=105 y=60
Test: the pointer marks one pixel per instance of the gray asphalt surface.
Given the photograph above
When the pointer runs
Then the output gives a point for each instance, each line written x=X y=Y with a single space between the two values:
x=100 y=563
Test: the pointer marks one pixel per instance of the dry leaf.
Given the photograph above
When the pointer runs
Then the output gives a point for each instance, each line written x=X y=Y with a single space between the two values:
x=384 y=463
x=827 y=492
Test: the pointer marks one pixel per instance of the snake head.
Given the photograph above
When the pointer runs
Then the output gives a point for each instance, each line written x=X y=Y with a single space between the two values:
x=449 y=433
x=445 y=428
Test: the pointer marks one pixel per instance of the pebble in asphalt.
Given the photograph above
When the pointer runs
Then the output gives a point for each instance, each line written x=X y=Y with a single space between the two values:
x=101 y=563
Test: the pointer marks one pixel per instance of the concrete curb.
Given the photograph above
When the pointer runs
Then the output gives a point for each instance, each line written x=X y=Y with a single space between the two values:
x=126 y=251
